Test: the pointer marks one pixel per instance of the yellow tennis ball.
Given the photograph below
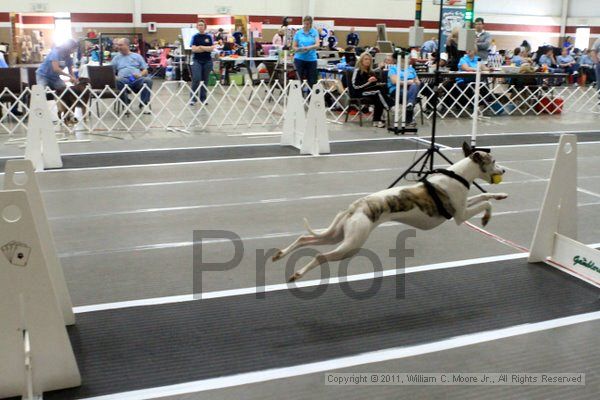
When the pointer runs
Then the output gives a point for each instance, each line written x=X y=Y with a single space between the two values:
x=496 y=179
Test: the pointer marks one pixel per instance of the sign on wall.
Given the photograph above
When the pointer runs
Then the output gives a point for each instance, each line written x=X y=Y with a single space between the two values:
x=256 y=29
x=451 y=3
x=325 y=25
x=452 y=17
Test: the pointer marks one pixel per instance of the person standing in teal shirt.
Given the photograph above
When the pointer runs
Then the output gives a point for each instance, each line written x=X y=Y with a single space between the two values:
x=306 y=42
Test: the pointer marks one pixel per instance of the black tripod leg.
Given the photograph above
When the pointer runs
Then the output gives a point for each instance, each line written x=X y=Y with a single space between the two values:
x=409 y=169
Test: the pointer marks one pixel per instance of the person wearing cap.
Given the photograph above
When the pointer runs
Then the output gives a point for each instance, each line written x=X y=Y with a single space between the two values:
x=443 y=61
x=50 y=71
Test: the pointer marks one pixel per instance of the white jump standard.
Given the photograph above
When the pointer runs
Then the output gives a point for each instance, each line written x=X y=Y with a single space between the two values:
x=554 y=240
x=438 y=197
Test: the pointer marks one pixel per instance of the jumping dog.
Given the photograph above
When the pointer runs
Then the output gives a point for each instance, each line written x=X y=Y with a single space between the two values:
x=440 y=196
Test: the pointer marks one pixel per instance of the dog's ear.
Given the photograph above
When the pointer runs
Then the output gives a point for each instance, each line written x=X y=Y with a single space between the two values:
x=476 y=157
x=467 y=150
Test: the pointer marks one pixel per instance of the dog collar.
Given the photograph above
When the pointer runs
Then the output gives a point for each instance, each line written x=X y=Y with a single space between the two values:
x=453 y=175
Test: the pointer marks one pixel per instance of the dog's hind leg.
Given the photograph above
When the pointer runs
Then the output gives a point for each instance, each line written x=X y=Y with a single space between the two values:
x=306 y=240
x=330 y=229
x=356 y=231
x=331 y=235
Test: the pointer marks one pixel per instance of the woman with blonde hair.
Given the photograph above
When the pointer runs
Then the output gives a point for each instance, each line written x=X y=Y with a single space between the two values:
x=452 y=49
x=365 y=84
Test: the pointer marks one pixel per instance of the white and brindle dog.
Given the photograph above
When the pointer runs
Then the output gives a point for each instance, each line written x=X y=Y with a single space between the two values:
x=425 y=205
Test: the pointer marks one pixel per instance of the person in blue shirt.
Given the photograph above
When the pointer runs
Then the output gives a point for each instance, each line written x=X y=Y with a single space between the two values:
x=548 y=60
x=49 y=72
x=567 y=62
x=3 y=63
x=202 y=47
x=352 y=39
x=429 y=47
x=516 y=58
x=468 y=63
x=332 y=41
x=586 y=59
x=132 y=72
x=237 y=35
x=305 y=44
x=587 y=65
x=413 y=85
x=465 y=94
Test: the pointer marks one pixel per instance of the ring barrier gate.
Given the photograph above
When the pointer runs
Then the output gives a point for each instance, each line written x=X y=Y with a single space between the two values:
x=262 y=104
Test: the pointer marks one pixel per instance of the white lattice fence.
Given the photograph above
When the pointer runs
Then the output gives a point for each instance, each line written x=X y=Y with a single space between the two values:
x=264 y=105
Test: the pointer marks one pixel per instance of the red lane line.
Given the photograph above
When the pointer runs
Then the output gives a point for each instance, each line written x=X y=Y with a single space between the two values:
x=497 y=238
x=583 y=277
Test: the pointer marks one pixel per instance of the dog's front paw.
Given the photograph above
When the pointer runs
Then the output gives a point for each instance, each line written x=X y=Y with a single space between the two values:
x=486 y=218
x=500 y=196
x=277 y=256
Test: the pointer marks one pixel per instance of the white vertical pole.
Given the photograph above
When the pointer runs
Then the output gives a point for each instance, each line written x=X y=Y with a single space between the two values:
x=285 y=57
x=476 y=105
x=397 y=99
x=405 y=89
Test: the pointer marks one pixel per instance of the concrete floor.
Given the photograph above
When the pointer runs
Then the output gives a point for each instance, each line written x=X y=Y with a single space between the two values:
x=126 y=234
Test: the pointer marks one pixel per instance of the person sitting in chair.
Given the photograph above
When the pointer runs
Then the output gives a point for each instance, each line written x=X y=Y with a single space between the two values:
x=132 y=71
x=464 y=93
x=567 y=62
x=413 y=86
x=364 y=84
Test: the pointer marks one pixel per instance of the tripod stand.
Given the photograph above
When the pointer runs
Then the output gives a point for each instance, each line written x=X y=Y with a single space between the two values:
x=426 y=160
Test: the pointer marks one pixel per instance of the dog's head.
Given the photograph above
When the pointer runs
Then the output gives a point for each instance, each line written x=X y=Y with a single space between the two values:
x=489 y=170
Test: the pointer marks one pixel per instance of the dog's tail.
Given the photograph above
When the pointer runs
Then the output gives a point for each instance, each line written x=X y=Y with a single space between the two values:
x=331 y=227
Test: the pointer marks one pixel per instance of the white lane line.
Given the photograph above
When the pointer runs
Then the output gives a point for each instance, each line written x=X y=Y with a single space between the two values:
x=204 y=206
x=534 y=145
x=228 y=179
x=172 y=245
x=220 y=146
x=350 y=361
x=232 y=160
x=89 y=215
x=288 y=286
x=588 y=192
x=269 y=176
x=547 y=179
x=158 y=149
x=441 y=146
